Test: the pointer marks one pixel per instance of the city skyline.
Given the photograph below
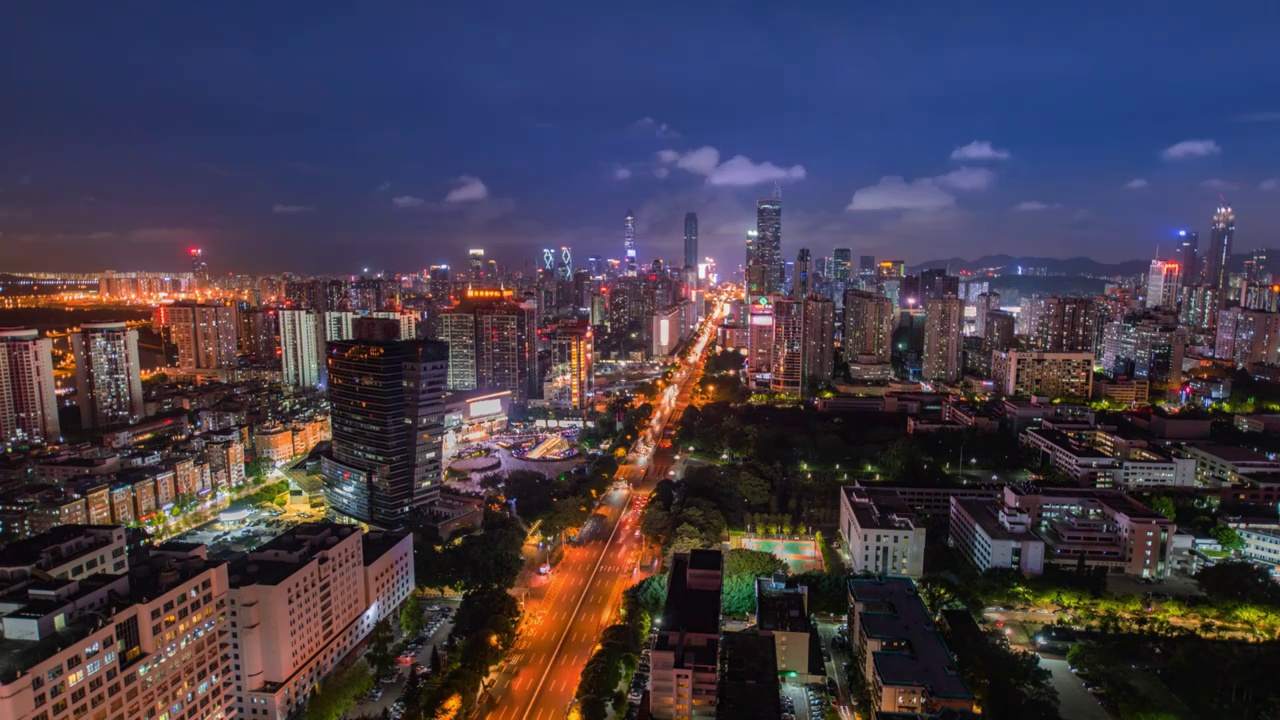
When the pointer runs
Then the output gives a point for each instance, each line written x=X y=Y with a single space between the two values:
x=296 y=158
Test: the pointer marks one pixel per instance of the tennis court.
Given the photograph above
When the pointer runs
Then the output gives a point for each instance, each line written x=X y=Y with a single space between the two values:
x=801 y=555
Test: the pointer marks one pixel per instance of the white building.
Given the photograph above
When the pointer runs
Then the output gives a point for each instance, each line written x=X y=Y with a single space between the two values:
x=992 y=535
x=28 y=401
x=882 y=532
x=298 y=347
x=1164 y=282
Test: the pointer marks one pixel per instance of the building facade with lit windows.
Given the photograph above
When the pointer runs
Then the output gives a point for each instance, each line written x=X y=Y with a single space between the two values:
x=570 y=383
x=28 y=398
x=207 y=335
x=943 y=318
x=882 y=532
x=1055 y=374
x=787 y=364
x=108 y=375
x=1164 y=284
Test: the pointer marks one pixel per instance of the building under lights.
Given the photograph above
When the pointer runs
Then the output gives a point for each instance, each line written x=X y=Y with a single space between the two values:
x=570 y=383
x=108 y=375
x=28 y=401
x=1164 y=283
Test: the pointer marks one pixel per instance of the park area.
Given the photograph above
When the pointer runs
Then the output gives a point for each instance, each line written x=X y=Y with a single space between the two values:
x=800 y=555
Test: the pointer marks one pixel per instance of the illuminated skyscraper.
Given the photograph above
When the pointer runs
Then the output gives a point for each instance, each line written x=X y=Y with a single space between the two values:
x=28 y=404
x=1188 y=249
x=199 y=269
x=108 y=375
x=868 y=326
x=843 y=264
x=690 y=239
x=1163 y=284
x=768 y=245
x=1219 y=255
x=475 y=262
x=298 y=348
x=788 y=348
x=565 y=266
x=629 y=245
x=942 y=320
x=819 y=339
x=207 y=335
x=802 y=280
x=570 y=383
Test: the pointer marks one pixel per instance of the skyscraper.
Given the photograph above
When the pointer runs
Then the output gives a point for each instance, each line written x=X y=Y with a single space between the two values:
x=868 y=326
x=475 y=264
x=491 y=343
x=206 y=335
x=1163 y=284
x=1219 y=255
x=199 y=269
x=788 y=348
x=565 y=267
x=629 y=245
x=769 y=243
x=386 y=400
x=299 y=348
x=28 y=402
x=571 y=380
x=819 y=339
x=108 y=375
x=1061 y=324
x=943 y=318
x=691 y=240
x=1188 y=247
x=843 y=264
x=986 y=302
x=458 y=331
x=802 y=280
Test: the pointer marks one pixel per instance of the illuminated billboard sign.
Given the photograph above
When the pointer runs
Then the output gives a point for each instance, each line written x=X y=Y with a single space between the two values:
x=486 y=407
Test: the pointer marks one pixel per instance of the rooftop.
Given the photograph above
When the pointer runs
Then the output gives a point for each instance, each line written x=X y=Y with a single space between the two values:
x=692 y=609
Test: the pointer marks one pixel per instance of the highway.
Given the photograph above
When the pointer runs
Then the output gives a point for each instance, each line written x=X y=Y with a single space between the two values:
x=564 y=617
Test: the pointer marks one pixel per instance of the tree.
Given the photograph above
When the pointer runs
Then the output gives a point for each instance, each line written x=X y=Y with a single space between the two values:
x=649 y=594
x=1163 y=504
x=741 y=568
x=1228 y=538
x=412 y=616
x=435 y=660
x=381 y=654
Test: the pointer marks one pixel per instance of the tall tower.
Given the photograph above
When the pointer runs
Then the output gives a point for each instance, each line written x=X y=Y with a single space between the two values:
x=843 y=264
x=28 y=403
x=1163 y=284
x=108 y=375
x=788 y=348
x=802 y=283
x=629 y=245
x=298 y=348
x=1188 y=247
x=942 y=320
x=691 y=240
x=868 y=326
x=769 y=243
x=199 y=269
x=1219 y=255
x=566 y=263
x=475 y=263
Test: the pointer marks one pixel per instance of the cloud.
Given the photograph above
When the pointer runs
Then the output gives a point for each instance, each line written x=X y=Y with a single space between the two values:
x=1259 y=117
x=980 y=150
x=1188 y=149
x=895 y=193
x=1035 y=205
x=468 y=189
x=667 y=157
x=292 y=209
x=737 y=171
x=621 y=173
x=967 y=178
x=661 y=173
x=1219 y=184
x=382 y=187
x=702 y=161
x=662 y=130
x=1136 y=184
x=1269 y=184
x=407 y=201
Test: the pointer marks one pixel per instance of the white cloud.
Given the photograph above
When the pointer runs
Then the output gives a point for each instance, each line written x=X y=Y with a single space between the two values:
x=292 y=209
x=383 y=187
x=980 y=150
x=407 y=201
x=1136 y=184
x=467 y=189
x=662 y=130
x=1219 y=184
x=1034 y=205
x=1188 y=149
x=737 y=171
x=894 y=193
x=661 y=173
x=967 y=178
x=1269 y=184
x=621 y=173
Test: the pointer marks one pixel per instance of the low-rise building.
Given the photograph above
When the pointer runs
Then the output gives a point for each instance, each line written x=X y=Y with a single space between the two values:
x=990 y=534
x=881 y=531
x=783 y=613
x=685 y=657
x=1099 y=457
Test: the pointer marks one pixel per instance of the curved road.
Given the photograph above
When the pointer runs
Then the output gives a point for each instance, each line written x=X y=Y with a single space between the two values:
x=565 y=617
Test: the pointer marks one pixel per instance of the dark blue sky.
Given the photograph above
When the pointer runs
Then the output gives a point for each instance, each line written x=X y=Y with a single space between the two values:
x=327 y=137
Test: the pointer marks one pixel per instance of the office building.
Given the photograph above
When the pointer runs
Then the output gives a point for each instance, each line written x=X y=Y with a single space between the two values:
x=768 y=245
x=92 y=631
x=629 y=263
x=1164 y=283
x=458 y=330
x=907 y=664
x=475 y=264
x=570 y=383
x=690 y=239
x=943 y=319
x=760 y=332
x=1218 y=257
x=819 y=339
x=1248 y=336
x=1188 y=255
x=868 y=327
x=1056 y=375
x=386 y=400
x=108 y=375
x=299 y=348
x=206 y=335
x=668 y=329
x=298 y=605
x=1095 y=456
x=787 y=363
x=991 y=535
x=685 y=656
x=802 y=278
x=843 y=265
x=28 y=399
x=882 y=532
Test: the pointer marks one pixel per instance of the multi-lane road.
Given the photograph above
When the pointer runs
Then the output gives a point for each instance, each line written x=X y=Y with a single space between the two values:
x=564 y=617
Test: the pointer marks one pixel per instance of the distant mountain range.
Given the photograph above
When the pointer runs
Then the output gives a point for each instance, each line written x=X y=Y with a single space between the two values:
x=1055 y=266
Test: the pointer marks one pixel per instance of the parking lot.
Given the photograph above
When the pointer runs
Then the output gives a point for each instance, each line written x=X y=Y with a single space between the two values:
x=387 y=691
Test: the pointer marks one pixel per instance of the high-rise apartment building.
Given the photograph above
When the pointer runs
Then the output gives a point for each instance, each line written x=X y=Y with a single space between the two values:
x=1057 y=375
x=1248 y=336
x=299 y=348
x=1219 y=255
x=108 y=375
x=691 y=240
x=206 y=335
x=1164 y=284
x=386 y=400
x=458 y=330
x=28 y=401
x=570 y=381
x=629 y=262
x=491 y=343
x=1145 y=348
x=943 y=320
x=768 y=244
x=1062 y=324
x=685 y=657
x=1199 y=308
x=997 y=335
x=868 y=326
x=787 y=364
x=819 y=339
x=984 y=303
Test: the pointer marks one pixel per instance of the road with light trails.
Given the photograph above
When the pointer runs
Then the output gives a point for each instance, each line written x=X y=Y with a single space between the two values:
x=564 y=622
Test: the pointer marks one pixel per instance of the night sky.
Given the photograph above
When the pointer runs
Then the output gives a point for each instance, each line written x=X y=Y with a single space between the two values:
x=327 y=137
